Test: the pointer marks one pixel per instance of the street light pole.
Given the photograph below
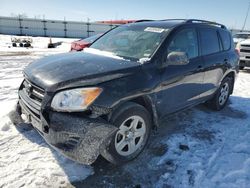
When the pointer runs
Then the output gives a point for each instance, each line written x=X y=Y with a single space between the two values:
x=246 y=17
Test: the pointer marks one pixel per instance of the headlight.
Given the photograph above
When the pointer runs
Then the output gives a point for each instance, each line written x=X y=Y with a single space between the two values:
x=75 y=99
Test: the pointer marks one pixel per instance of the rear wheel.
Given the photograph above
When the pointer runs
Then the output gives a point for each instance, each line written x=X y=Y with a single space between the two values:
x=134 y=126
x=220 y=99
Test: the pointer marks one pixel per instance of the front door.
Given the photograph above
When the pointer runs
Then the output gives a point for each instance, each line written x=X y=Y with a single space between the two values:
x=181 y=85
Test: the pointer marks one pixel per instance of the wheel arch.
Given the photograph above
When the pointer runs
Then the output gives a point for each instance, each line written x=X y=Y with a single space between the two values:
x=146 y=102
x=232 y=76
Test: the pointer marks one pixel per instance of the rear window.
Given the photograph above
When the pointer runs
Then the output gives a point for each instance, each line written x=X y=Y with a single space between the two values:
x=209 y=41
x=226 y=39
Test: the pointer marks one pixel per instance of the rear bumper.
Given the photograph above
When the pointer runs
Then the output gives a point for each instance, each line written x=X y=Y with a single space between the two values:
x=81 y=139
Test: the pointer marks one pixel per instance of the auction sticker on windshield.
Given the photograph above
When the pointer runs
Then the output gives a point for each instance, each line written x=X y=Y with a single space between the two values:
x=154 y=29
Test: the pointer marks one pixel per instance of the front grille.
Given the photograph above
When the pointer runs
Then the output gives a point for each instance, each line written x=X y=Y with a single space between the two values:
x=245 y=50
x=34 y=92
x=32 y=96
x=245 y=45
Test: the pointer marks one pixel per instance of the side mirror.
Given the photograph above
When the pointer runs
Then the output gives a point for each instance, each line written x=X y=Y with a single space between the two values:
x=177 y=58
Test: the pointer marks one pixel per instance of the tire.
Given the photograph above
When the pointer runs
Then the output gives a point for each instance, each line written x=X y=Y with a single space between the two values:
x=14 y=44
x=20 y=44
x=241 y=67
x=50 y=45
x=26 y=45
x=132 y=119
x=220 y=99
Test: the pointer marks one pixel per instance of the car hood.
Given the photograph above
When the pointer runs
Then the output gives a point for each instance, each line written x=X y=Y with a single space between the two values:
x=236 y=40
x=58 y=71
x=246 y=41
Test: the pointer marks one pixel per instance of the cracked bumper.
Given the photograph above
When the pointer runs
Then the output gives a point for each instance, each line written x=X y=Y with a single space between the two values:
x=81 y=139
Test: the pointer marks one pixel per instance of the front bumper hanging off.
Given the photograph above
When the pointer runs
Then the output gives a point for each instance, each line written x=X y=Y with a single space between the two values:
x=79 y=138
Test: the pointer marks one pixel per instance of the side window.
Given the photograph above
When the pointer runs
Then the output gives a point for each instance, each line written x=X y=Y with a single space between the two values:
x=226 y=39
x=185 y=41
x=209 y=41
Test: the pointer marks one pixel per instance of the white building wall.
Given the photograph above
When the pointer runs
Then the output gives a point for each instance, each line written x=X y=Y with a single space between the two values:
x=50 y=28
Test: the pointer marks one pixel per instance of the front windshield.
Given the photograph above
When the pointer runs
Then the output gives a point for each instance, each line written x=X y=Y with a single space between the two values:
x=131 y=41
x=242 y=36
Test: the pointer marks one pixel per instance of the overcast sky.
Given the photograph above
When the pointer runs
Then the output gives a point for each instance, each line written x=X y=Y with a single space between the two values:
x=229 y=12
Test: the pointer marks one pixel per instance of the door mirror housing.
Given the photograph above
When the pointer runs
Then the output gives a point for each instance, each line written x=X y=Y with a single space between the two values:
x=177 y=58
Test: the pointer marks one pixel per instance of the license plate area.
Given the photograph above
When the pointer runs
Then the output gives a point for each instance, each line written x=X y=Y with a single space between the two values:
x=28 y=118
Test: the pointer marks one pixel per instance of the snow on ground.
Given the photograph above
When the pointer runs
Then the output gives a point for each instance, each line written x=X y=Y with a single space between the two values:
x=194 y=148
x=39 y=44
x=25 y=159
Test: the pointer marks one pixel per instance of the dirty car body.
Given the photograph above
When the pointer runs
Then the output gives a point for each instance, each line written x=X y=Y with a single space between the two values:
x=143 y=78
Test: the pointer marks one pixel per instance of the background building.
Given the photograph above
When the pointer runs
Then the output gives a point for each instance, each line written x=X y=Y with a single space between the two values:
x=58 y=28
x=51 y=28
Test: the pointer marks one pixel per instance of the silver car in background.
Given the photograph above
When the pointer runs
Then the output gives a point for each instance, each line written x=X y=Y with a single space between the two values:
x=243 y=48
x=238 y=37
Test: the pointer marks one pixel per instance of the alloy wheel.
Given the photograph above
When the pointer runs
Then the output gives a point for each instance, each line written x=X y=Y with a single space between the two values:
x=130 y=135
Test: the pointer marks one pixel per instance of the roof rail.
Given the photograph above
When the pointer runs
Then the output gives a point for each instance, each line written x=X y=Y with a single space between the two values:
x=187 y=21
x=145 y=20
x=174 y=20
x=205 y=21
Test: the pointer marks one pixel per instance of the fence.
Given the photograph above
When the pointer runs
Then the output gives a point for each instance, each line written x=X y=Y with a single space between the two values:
x=51 y=28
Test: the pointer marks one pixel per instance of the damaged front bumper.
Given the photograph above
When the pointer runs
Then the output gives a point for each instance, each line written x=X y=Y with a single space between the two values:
x=81 y=139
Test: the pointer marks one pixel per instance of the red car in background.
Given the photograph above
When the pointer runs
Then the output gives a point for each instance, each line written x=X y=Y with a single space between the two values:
x=79 y=45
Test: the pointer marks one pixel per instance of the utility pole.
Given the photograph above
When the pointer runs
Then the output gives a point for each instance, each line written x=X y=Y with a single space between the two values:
x=88 y=27
x=44 y=26
x=88 y=31
x=246 y=17
x=111 y=24
x=65 y=27
x=20 y=24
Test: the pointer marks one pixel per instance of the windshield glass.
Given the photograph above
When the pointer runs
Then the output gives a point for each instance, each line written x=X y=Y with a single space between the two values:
x=242 y=36
x=131 y=41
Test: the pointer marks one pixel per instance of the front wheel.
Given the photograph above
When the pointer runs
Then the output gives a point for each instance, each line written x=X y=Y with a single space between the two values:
x=134 y=126
x=220 y=99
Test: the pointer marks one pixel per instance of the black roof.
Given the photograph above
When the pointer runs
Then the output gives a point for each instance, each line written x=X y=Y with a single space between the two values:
x=159 y=23
x=169 y=23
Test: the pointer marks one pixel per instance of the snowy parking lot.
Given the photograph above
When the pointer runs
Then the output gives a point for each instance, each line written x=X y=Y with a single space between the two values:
x=194 y=148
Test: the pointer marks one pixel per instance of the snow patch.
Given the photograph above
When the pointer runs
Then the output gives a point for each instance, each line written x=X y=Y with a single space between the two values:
x=102 y=53
x=26 y=160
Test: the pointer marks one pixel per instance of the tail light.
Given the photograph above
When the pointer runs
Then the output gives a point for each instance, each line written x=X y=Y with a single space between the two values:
x=237 y=48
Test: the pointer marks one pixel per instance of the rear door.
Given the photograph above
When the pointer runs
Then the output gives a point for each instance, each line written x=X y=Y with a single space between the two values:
x=181 y=84
x=213 y=57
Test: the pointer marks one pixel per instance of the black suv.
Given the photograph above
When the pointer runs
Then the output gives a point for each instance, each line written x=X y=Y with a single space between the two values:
x=106 y=99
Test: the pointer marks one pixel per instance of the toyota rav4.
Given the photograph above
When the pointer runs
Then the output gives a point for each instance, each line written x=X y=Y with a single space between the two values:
x=107 y=99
